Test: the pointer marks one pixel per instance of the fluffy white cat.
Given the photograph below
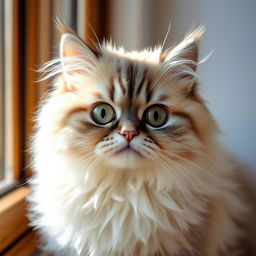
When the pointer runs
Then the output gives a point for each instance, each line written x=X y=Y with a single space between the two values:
x=126 y=157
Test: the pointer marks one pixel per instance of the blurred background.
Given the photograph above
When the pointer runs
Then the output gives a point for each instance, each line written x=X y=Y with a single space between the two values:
x=28 y=38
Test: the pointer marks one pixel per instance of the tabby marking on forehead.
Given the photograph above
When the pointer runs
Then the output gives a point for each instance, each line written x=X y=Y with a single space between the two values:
x=120 y=80
x=132 y=78
x=112 y=89
x=142 y=82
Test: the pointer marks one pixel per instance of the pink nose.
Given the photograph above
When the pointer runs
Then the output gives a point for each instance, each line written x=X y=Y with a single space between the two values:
x=129 y=135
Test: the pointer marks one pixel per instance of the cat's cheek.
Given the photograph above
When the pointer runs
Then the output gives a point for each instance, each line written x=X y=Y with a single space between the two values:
x=108 y=145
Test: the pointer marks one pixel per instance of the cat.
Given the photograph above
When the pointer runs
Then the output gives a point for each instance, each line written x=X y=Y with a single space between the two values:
x=126 y=156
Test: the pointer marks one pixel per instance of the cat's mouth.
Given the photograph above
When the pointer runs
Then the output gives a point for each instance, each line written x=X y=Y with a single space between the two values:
x=128 y=150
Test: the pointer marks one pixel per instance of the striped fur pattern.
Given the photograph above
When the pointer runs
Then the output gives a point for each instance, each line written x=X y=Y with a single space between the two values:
x=172 y=192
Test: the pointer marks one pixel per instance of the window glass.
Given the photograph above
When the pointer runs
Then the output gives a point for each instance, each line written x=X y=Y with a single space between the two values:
x=1 y=90
x=6 y=96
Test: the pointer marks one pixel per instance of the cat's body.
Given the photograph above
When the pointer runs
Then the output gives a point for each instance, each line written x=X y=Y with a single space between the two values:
x=126 y=158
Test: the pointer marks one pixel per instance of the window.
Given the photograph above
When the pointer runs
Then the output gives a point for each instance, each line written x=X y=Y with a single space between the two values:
x=28 y=38
x=7 y=87
x=1 y=91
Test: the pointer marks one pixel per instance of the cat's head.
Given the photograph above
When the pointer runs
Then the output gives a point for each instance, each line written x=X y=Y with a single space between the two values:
x=128 y=109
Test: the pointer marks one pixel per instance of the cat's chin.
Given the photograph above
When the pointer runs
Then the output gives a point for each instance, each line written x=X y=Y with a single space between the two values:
x=127 y=158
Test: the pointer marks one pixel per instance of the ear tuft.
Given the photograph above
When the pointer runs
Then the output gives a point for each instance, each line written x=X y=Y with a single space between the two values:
x=196 y=34
x=61 y=26
x=76 y=56
x=186 y=51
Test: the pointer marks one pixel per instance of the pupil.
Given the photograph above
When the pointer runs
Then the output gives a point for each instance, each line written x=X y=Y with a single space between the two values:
x=103 y=113
x=156 y=115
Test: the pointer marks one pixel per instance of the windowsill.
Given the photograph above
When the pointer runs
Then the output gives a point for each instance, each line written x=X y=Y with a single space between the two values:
x=13 y=219
x=6 y=186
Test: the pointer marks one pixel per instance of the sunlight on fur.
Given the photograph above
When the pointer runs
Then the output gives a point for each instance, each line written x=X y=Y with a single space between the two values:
x=126 y=156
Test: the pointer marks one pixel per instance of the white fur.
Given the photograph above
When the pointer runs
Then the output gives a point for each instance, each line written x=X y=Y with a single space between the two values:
x=109 y=213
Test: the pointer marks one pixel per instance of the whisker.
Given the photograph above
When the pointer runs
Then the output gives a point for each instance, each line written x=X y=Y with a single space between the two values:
x=98 y=41
x=182 y=171
x=175 y=154
x=162 y=162
x=166 y=36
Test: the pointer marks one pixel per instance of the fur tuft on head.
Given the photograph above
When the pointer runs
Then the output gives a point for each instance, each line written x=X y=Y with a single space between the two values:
x=186 y=50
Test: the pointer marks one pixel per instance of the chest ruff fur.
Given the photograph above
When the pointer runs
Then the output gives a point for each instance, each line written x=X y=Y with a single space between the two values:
x=120 y=216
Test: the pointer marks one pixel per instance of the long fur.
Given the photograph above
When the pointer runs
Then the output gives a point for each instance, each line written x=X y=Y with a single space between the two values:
x=179 y=197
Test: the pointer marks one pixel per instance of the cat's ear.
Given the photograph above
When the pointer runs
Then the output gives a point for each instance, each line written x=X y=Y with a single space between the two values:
x=185 y=52
x=76 y=56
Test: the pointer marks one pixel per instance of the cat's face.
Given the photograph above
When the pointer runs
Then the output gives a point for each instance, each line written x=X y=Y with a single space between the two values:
x=130 y=110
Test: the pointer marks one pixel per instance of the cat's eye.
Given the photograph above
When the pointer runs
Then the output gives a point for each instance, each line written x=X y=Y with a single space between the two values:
x=102 y=114
x=155 y=116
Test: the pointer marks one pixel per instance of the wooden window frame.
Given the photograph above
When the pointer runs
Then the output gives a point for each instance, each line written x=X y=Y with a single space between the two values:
x=13 y=120
x=16 y=237
x=14 y=222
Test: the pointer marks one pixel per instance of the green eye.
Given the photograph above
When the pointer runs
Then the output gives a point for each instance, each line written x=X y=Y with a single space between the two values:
x=155 y=116
x=102 y=114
